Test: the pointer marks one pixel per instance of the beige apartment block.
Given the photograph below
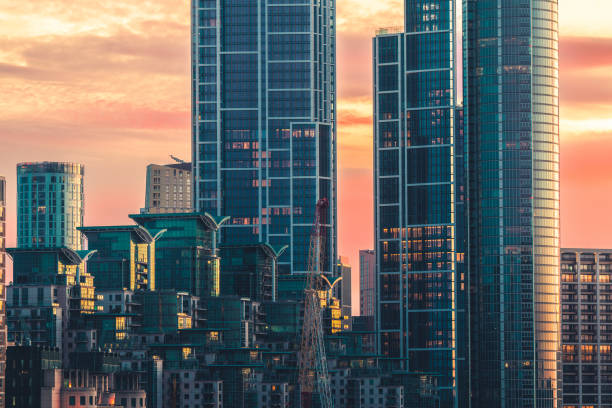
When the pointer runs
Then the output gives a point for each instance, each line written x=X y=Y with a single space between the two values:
x=168 y=188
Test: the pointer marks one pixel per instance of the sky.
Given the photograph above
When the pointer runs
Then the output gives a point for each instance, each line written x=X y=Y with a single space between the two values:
x=106 y=84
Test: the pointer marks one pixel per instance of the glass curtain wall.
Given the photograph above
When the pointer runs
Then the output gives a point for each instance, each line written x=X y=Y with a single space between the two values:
x=512 y=121
x=264 y=135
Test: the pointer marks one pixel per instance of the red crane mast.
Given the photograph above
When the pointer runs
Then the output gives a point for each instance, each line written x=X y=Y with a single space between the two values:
x=312 y=357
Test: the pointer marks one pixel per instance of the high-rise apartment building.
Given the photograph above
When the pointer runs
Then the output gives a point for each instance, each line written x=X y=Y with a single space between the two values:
x=508 y=112
x=586 y=327
x=367 y=283
x=346 y=286
x=264 y=121
x=418 y=193
x=512 y=122
x=49 y=205
x=168 y=188
x=2 y=288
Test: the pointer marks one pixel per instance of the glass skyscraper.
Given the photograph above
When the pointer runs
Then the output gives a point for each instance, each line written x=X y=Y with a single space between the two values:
x=2 y=288
x=512 y=124
x=49 y=205
x=419 y=199
x=467 y=199
x=264 y=133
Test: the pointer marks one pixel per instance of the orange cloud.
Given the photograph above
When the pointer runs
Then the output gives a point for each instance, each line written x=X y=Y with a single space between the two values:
x=586 y=191
x=584 y=52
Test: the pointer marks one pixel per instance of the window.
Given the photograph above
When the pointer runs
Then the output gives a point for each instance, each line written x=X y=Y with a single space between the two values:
x=83 y=400
x=72 y=401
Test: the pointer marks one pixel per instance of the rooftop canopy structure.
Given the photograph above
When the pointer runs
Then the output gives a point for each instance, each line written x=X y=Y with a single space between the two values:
x=186 y=253
x=250 y=270
x=125 y=256
x=59 y=265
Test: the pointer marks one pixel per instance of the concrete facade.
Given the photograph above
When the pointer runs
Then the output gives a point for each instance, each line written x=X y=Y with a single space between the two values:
x=168 y=188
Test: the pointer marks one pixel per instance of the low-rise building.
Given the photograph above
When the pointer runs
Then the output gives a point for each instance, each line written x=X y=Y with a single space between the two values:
x=186 y=388
x=186 y=254
x=37 y=314
x=94 y=380
x=124 y=257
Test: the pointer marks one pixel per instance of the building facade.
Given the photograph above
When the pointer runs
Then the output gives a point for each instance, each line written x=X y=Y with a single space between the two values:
x=420 y=305
x=344 y=271
x=367 y=283
x=264 y=121
x=512 y=119
x=31 y=369
x=168 y=188
x=586 y=327
x=186 y=254
x=37 y=314
x=124 y=257
x=51 y=294
x=2 y=288
x=50 y=205
x=250 y=271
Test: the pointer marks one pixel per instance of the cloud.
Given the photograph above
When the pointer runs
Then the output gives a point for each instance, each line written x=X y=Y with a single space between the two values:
x=585 y=79
x=122 y=115
x=358 y=16
x=45 y=17
x=90 y=57
x=584 y=52
x=585 y=158
x=30 y=140
x=355 y=212
x=349 y=118
x=354 y=64
x=586 y=182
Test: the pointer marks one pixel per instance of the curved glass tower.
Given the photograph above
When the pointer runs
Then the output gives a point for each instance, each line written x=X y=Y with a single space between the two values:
x=49 y=205
x=512 y=117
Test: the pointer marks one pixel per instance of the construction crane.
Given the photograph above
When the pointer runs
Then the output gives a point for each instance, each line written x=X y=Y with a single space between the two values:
x=176 y=159
x=312 y=358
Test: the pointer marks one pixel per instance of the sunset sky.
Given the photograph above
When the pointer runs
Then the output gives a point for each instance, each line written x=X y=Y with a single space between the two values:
x=106 y=84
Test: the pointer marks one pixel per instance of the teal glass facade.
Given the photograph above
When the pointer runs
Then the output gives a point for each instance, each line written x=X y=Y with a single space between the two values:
x=419 y=200
x=263 y=118
x=124 y=258
x=586 y=330
x=512 y=123
x=49 y=205
x=59 y=266
x=250 y=271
